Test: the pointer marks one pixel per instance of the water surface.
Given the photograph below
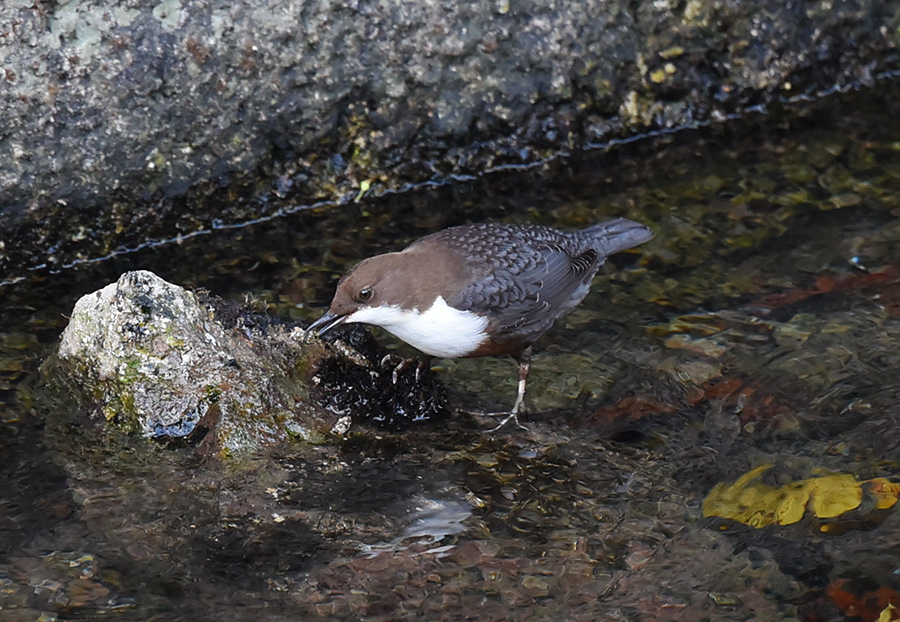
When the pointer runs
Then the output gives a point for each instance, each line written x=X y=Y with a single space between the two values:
x=760 y=326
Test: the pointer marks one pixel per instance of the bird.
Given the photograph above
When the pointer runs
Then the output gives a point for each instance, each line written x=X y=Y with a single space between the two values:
x=480 y=289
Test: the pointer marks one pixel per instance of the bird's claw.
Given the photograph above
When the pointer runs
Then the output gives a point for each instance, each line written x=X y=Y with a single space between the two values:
x=400 y=364
x=512 y=416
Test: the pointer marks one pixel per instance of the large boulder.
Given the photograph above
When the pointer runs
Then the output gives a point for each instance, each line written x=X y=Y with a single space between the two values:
x=124 y=121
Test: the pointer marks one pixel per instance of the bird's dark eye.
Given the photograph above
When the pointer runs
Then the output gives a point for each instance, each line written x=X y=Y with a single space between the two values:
x=365 y=294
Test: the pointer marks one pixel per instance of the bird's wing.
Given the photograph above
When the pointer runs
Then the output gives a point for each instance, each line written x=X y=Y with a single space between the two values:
x=531 y=290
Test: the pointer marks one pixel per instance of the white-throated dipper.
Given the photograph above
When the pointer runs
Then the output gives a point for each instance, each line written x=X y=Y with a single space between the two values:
x=477 y=290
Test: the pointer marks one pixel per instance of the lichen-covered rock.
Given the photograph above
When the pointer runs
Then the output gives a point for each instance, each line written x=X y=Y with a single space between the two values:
x=151 y=358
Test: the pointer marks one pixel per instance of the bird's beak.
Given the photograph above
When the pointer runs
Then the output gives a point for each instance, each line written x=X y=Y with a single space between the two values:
x=327 y=322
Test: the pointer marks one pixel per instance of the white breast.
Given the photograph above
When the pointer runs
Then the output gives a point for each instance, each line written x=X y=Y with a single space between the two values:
x=440 y=331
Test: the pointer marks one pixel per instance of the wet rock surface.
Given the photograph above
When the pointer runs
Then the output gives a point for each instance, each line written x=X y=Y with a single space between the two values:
x=152 y=359
x=126 y=122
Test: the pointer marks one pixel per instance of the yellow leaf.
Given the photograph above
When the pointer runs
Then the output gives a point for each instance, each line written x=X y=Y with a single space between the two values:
x=833 y=495
x=792 y=506
x=753 y=503
x=885 y=492
x=889 y=614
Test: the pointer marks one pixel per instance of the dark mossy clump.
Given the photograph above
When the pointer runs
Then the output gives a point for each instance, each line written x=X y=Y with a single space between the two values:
x=251 y=316
x=387 y=392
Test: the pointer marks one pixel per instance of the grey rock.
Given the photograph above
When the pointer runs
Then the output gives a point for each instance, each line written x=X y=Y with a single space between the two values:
x=147 y=357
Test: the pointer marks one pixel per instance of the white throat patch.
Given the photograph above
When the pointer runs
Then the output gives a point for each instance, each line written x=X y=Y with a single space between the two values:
x=440 y=331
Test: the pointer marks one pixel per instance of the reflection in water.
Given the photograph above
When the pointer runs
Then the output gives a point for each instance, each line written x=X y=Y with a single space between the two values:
x=759 y=327
x=430 y=521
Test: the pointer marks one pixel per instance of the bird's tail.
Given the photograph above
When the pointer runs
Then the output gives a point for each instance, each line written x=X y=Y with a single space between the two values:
x=617 y=235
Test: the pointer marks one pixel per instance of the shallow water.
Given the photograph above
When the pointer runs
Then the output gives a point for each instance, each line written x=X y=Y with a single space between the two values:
x=760 y=326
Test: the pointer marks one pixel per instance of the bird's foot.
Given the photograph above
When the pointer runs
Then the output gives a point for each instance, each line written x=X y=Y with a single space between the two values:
x=513 y=415
x=510 y=416
x=399 y=365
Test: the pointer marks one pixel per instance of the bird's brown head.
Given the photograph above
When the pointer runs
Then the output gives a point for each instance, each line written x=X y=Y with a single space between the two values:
x=380 y=281
x=363 y=286
x=378 y=287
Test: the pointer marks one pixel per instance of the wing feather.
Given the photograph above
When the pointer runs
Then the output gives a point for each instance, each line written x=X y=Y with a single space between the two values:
x=532 y=293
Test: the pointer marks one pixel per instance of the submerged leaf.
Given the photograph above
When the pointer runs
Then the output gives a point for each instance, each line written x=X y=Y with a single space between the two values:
x=889 y=614
x=832 y=495
x=754 y=503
